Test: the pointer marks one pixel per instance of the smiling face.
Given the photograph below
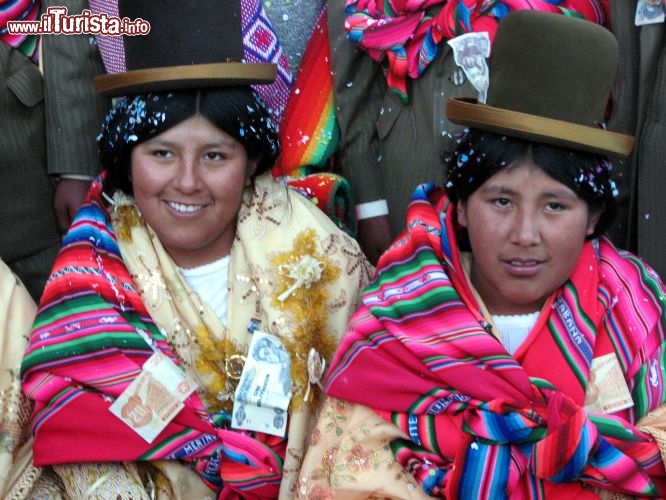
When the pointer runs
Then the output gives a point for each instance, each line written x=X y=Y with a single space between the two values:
x=526 y=232
x=188 y=184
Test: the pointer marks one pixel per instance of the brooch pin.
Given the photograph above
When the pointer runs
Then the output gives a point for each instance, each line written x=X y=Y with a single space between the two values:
x=304 y=272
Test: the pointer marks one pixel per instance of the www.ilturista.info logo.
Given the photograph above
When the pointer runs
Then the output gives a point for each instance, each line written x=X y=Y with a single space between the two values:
x=55 y=21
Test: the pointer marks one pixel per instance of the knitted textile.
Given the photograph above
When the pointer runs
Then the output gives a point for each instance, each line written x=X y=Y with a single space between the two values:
x=332 y=194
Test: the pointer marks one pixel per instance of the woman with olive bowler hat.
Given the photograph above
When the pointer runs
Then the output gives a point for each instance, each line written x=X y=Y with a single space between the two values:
x=525 y=352
x=185 y=253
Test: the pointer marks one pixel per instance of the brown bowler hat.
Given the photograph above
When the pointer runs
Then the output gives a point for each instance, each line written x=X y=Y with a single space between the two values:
x=190 y=45
x=550 y=80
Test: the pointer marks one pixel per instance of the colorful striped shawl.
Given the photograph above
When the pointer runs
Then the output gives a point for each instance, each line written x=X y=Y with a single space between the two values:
x=88 y=344
x=20 y=10
x=484 y=424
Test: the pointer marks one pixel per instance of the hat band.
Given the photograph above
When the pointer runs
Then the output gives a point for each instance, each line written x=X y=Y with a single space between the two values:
x=538 y=128
x=196 y=75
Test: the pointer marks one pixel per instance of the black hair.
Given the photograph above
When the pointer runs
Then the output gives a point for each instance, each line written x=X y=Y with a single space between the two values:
x=238 y=111
x=479 y=155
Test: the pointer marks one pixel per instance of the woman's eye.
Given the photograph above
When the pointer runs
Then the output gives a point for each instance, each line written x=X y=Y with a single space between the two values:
x=162 y=153
x=502 y=202
x=214 y=155
x=554 y=206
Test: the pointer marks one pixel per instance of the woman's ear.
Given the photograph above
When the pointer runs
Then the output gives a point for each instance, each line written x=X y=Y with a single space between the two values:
x=461 y=213
x=250 y=171
x=592 y=220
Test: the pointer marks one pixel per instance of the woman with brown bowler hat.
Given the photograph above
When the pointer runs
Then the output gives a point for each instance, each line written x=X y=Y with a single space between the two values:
x=502 y=306
x=186 y=252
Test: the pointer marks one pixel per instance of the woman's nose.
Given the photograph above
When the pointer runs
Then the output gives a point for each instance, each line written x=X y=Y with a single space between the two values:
x=187 y=177
x=526 y=230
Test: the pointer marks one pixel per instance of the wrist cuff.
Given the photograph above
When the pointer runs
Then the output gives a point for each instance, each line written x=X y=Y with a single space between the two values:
x=371 y=209
x=77 y=177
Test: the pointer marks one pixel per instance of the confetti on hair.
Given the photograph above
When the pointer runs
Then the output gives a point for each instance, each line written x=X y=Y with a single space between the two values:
x=598 y=180
x=131 y=121
x=595 y=180
x=117 y=131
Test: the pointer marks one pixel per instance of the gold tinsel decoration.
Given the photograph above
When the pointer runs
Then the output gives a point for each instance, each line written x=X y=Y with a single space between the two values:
x=307 y=303
x=125 y=214
x=221 y=363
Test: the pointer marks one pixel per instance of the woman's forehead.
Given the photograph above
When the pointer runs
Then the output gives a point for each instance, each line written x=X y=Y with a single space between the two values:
x=524 y=173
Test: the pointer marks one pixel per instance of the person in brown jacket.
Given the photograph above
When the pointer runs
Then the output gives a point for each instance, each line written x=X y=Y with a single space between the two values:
x=639 y=108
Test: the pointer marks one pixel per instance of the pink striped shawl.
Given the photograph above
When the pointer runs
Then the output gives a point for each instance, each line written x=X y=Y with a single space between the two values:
x=484 y=424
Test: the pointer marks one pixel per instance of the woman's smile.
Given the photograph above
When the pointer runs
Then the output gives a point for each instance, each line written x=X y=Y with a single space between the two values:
x=185 y=208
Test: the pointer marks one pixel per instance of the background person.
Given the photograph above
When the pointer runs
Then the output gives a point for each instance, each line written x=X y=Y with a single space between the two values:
x=48 y=154
x=638 y=109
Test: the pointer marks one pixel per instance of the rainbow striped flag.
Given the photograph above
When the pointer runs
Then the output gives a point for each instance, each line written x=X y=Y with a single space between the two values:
x=308 y=130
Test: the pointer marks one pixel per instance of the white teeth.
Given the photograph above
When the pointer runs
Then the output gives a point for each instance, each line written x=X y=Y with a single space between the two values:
x=519 y=263
x=185 y=209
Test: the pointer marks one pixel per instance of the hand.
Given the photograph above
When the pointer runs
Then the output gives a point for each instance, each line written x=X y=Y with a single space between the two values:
x=374 y=236
x=68 y=197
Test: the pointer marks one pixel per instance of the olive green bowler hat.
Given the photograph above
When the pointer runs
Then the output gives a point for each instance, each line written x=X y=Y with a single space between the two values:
x=190 y=45
x=550 y=80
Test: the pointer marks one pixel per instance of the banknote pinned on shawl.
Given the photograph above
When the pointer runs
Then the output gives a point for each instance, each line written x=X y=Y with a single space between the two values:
x=607 y=391
x=154 y=398
x=264 y=390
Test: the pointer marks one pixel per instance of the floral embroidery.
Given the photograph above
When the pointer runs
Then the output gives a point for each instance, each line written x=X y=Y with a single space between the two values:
x=334 y=413
x=315 y=437
x=328 y=460
x=153 y=285
x=321 y=493
x=11 y=422
x=344 y=463
x=254 y=284
x=344 y=244
x=263 y=206
x=358 y=459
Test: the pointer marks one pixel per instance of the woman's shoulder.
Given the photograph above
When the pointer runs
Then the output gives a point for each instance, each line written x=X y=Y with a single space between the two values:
x=626 y=267
x=291 y=209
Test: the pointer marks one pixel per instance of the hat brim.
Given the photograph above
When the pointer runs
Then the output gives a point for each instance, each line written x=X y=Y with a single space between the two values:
x=185 y=77
x=537 y=128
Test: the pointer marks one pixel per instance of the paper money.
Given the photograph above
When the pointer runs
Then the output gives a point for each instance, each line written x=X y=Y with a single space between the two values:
x=264 y=390
x=649 y=12
x=154 y=398
x=607 y=390
x=470 y=51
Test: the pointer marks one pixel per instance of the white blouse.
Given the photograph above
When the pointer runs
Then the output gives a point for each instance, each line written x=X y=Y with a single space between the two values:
x=513 y=329
x=209 y=282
